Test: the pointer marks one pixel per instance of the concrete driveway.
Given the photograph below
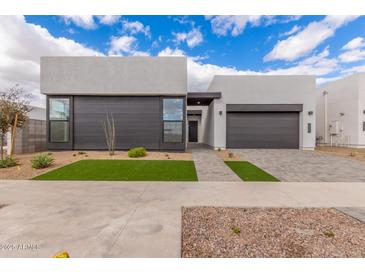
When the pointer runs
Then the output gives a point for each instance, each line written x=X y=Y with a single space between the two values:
x=140 y=219
x=292 y=165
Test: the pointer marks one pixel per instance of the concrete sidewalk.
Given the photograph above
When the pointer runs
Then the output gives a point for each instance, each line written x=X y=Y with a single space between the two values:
x=139 y=219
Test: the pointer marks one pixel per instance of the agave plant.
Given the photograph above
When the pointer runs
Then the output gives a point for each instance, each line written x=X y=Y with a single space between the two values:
x=109 y=130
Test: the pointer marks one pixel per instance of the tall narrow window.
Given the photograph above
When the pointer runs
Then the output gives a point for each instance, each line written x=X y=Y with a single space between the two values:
x=173 y=117
x=59 y=120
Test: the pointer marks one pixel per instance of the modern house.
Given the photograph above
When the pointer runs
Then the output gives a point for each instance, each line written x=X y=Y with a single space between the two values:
x=149 y=102
x=341 y=112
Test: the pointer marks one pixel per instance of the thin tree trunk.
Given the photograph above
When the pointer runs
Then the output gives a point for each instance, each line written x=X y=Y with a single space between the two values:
x=2 y=146
x=13 y=135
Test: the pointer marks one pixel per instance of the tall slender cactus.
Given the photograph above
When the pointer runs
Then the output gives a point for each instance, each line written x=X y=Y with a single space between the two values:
x=109 y=130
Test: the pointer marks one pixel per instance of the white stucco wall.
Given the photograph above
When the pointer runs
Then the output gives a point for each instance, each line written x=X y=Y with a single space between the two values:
x=114 y=75
x=209 y=128
x=247 y=89
x=346 y=96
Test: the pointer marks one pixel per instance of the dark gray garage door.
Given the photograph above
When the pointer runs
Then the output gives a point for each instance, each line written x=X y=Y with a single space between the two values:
x=137 y=121
x=263 y=130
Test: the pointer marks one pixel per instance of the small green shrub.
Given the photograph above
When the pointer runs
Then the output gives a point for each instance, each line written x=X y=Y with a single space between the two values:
x=137 y=152
x=8 y=162
x=329 y=234
x=236 y=230
x=42 y=161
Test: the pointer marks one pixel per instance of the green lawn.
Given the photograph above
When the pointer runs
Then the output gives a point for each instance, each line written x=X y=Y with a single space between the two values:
x=124 y=170
x=249 y=172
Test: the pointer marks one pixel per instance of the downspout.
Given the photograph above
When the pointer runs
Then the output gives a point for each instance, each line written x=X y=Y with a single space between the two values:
x=325 y=117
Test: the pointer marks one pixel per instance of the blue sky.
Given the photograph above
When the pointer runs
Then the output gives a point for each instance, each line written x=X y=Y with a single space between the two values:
x=326 y=46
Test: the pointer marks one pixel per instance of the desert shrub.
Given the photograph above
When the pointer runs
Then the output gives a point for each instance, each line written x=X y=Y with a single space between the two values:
x=329 y=234
x=81 y=152
x=42 y=161
x=8 y=162
x=236 y=230
x=230 y=155
x=137 y=152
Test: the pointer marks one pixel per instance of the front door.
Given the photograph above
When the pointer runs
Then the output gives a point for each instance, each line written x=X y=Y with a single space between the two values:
x=193 y=131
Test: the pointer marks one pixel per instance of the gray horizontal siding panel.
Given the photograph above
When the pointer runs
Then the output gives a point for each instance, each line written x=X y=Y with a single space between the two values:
x=263 y=130
x=137 y=121
x=264 y=107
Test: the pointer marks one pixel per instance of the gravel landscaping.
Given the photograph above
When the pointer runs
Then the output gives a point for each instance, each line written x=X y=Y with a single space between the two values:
x=270 y=232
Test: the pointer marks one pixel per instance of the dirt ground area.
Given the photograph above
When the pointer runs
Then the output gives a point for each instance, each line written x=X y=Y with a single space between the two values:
x=227 y=155
x=25 y=171
x=270 y=232
x=354 y=153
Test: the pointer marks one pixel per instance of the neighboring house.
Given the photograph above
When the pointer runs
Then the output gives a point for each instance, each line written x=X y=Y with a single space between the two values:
x=32 y=137
x=341 y=112
x=148 y=99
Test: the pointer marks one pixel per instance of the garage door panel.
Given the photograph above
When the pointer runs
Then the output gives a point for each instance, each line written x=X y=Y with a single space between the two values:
x=263 y=130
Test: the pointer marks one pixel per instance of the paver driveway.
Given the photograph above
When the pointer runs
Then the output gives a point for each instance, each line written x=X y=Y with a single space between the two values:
x=305 y=166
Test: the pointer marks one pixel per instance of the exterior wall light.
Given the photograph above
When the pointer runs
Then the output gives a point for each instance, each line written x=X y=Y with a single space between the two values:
x=220 y=112
x=310 y=112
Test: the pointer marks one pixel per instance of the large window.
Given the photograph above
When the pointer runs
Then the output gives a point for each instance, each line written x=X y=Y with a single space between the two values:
x=59 y=120
x=173 y=117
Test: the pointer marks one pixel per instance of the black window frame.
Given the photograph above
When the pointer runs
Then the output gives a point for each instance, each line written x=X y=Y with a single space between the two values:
x=173 y=121
x=50 y=121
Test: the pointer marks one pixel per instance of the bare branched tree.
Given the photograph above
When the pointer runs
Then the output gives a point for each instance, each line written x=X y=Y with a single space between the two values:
x=14 y=111
x=109 y=130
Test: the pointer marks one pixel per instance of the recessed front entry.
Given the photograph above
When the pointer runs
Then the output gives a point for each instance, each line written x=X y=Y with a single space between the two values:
x=193 y=131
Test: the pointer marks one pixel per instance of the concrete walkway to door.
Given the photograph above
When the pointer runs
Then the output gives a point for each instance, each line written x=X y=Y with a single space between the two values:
x=210 y=167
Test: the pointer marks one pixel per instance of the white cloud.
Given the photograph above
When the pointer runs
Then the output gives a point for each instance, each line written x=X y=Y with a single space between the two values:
x=321 y=81
x=355 y=43
x=122 y=45
x=108 y=19
x=354 y=50
x=356 y=69
x=82 y=21
x=318 y=64
x=192 y=38
x=292 y=31
x=171 y=52
x=22 y=45
x=352 y=56
x=235 y=25
x=136 y=27
x=303 y=42
x=200 y=74
x=224 y=24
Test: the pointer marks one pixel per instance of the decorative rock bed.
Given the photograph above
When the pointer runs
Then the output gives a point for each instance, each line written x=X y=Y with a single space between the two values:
x=270 y=232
